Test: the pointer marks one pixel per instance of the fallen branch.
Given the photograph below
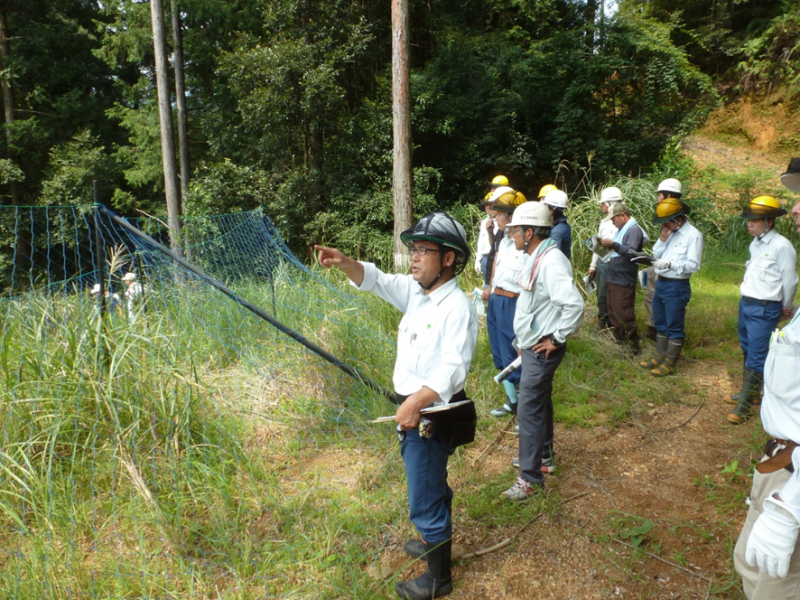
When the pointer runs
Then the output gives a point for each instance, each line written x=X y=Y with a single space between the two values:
x=699 y=406
x=510 y=540
x=665 y=561
x=491 y=444
x=569 y=548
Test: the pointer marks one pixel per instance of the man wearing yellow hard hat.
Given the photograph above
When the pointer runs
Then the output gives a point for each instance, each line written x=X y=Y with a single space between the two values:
x=677 y=254
x=767 y=293
x=766 y=554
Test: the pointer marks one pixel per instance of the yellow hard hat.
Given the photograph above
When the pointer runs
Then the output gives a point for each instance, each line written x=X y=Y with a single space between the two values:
x=509 y=201
x=669 y=209
x=546 y=190
x=763 y=207
x=499 y=180
x=487 y=199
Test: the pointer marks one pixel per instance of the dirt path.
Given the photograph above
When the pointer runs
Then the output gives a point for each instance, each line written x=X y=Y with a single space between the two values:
x=665 y=466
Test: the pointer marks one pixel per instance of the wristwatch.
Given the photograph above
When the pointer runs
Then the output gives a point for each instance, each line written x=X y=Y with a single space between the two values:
x=555 y=342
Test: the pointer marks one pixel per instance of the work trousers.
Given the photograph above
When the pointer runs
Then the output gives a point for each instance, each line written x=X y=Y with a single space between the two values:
x=757 y=321
x=622 y=312
x=758 y=585
x=500 y=325
x=669 y=306
x=535 y=411
x=601 y=281
x=429 y=497
x=649 y=292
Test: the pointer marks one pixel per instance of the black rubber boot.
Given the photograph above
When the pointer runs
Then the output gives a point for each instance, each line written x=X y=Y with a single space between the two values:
x=734 y=398
x=670 y=363
x=415 y=548
x=751 y=387
x=435 y=581
x=662 y=342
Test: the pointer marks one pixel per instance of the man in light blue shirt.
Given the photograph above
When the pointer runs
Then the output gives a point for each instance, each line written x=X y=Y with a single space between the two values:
x=677 y=254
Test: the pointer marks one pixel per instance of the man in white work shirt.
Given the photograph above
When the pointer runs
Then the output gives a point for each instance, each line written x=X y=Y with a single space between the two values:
x=598 y=270
x=435 y=344
x=677 y=253
x=770 y=282
x=766 y=553
x=484 y=244
x=549 y=310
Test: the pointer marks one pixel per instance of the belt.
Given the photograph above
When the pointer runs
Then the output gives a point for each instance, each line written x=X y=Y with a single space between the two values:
x=780 y=456
x=662 y=278
x=502 y=292
x=758 y=301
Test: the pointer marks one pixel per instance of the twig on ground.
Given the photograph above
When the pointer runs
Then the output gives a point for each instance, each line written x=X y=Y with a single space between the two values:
x=509 y=541
x=602 y=489
x=491 y=444
x=686 y=422
x=664 y=560
x=569 y=548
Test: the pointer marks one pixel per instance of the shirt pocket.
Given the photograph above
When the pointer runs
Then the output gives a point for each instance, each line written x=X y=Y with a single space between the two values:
x=416 y=347
x=781 y=371
x=768 y=271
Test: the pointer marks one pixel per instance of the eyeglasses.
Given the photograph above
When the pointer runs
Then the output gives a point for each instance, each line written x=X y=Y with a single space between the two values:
x=421 y=251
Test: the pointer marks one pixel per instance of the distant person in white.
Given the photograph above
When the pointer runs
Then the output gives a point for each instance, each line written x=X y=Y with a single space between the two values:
x=134 y=294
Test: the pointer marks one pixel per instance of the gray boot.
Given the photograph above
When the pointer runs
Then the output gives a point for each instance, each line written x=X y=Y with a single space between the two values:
x=734 y=398
x=436 y=581
x=751 y=386
x=670 y=363
x=662 y=342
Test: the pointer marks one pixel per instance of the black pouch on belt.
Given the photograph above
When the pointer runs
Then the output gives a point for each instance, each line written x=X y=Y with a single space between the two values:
x=455 y=427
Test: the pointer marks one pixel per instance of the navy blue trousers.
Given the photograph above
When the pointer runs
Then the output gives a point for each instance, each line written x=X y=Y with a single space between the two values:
x=756 y=323
x=430 y=499
x=500 y=325
x=669 y=306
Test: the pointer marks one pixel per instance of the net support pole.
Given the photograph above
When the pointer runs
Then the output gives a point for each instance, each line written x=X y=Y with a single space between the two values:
x=295 y=335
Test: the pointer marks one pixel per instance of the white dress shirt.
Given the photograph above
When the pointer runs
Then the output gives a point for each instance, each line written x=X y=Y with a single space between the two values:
x=483 y=246
x=553 y=307
x=771 y=271
x=684 y=251
x=507 y=266
x=436 y=337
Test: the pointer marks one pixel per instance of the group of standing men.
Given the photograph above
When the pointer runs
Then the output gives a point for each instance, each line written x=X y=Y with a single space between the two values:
x=533 y=307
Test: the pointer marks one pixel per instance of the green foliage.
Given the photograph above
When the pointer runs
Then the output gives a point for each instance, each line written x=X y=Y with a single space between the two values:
x=732 y=471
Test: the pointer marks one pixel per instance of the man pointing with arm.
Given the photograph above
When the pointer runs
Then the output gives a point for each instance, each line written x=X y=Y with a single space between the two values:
x=435 y=343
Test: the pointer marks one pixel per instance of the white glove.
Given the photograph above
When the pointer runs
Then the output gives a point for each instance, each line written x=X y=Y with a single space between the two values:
x=662 y=264
x=773 y=538
x=478 y=268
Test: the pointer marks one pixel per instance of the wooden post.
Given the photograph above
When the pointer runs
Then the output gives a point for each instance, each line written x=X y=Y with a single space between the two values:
x=165 y=119
x=401 y=118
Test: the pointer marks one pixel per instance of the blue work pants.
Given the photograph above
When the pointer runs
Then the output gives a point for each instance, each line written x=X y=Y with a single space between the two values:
x=500 y=325
x=429 y=497
x=757 y=321
x=669 y=306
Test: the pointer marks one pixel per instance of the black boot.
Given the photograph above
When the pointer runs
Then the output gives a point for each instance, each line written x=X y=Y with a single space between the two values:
x=415 y=548
x=435 y=581
x=751 y=386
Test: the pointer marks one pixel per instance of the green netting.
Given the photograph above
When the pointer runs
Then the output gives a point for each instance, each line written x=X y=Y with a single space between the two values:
x=132 y=463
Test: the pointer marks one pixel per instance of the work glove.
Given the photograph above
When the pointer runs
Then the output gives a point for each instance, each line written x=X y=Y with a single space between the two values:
x=478 y=268
x=662 y=264
x=773 y=538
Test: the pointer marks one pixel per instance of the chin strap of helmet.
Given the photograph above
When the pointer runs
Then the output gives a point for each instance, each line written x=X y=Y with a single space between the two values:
x=767 y=228
x=442 y=268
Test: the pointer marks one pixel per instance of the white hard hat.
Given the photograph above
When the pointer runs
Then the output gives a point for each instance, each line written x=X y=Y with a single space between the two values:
x=497 y=192
x=532 y=214
x=672 y=186
x=611 y=194
x=129 y=277
x=96 y=288
x=556 y=199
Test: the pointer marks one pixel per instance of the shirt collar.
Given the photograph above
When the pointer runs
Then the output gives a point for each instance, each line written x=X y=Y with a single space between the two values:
x=765 y=238
x=440 y=293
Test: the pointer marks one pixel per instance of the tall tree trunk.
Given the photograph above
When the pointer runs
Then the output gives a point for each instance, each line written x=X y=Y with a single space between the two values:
x=401 y=118
x=180 y=95
x=165 y=118
x=8 y=100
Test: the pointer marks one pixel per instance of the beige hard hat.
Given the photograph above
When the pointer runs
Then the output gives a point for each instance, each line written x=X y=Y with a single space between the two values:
x=129 y=276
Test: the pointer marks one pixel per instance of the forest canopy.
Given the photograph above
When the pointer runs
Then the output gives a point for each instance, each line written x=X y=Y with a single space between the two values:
x=289 y=101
